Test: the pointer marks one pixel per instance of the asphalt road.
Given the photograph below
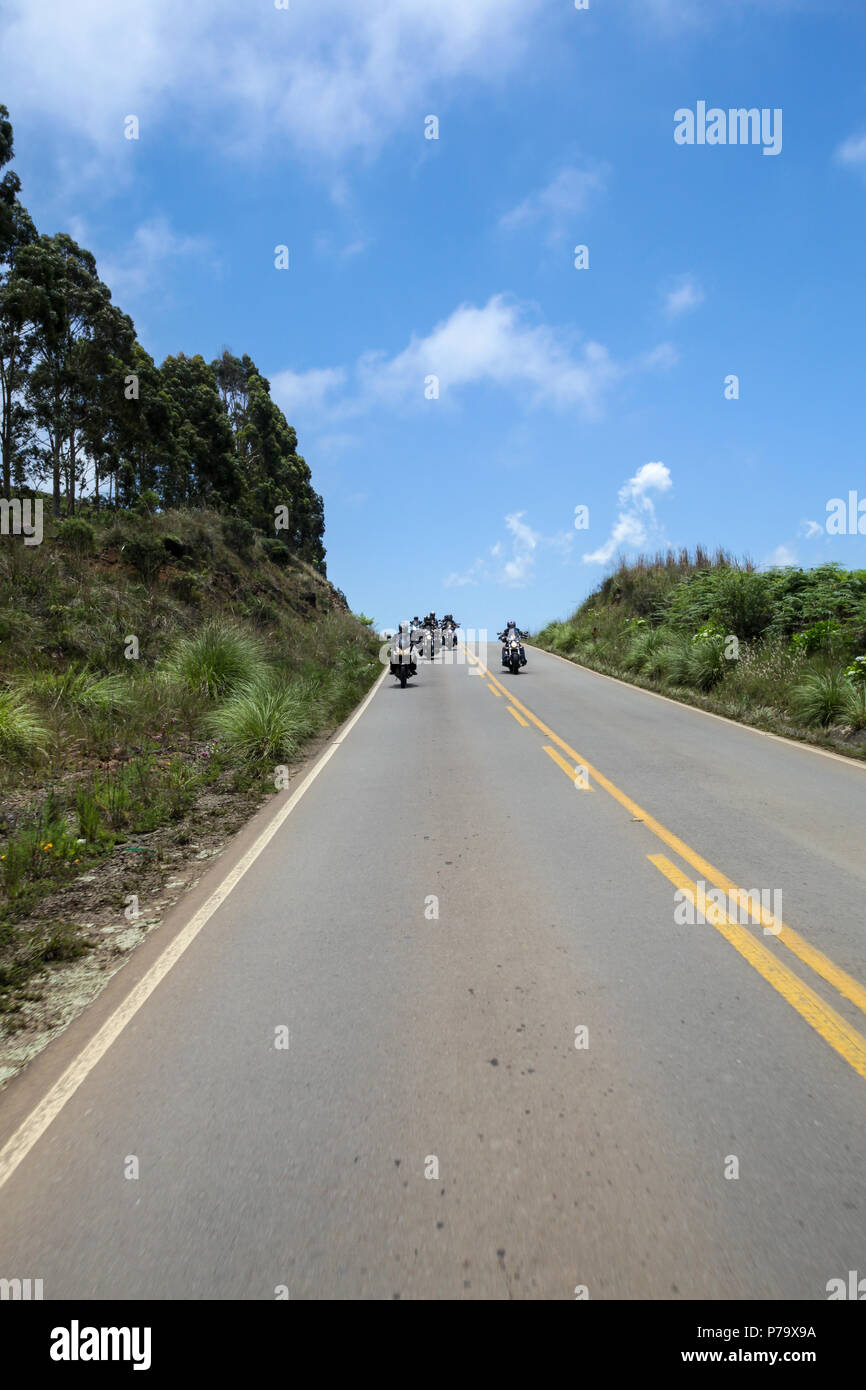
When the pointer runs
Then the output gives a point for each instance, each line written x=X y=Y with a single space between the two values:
x=420 y=1042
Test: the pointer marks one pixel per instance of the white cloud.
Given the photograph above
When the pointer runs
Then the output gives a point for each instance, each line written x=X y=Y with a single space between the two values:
x=810 y=529
x=518 y=569
x=563 y=200
x=636 y=523
x=329 y=77
x=306 y=390
x=495 y=345
x=782 y=555
x=852 y=151
x=686 y=294
x=154 y=246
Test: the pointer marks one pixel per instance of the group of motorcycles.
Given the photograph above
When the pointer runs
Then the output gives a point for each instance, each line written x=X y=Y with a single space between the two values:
x=420 y=639
x=426 y=637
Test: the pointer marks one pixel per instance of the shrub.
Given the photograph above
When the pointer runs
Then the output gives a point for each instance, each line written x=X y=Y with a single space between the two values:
x=820 y=637
x=20 y=729
x=276 y=551
x=217 y=660
x=175 y=547
x=82 y=690
x=821 y=697
x=146 y=555
x=645 y=654
x=264 y=722
x=189 y=588
x=147 y=503
x=707 y=663
x=77 y=535
x=675 y=659
x=854 y=709
x=239 y=535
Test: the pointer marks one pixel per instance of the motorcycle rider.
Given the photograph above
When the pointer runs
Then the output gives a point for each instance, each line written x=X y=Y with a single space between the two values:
x=511 y=631
x=403 y=664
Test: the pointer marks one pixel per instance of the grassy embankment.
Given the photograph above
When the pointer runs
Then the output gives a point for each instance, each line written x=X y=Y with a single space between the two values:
x=113 y=766
x=783 y=650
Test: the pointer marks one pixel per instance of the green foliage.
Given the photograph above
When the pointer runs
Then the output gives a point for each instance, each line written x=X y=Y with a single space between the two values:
x=217 y=660
x=264 y=721
x=675 y=658
x=81 y=689
x=21 y=732
x=239 y=535
x=707 y=663
x=77 y=535
x=668 y=619
x=36 y=851
x=276 y=551
x=146 y=555
x=147 y=502
x=854 y=710
x=823 y=636
x=821 y=697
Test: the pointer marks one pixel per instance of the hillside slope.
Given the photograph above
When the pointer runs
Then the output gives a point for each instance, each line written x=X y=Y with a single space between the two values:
x=159 y=675
x=783 y=650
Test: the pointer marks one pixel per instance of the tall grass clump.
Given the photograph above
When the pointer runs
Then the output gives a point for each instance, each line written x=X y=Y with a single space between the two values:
x=217 y=661
x=854 y=709
x=82 y=690
x=21 y=732
x=821 y=697
x=264 y=721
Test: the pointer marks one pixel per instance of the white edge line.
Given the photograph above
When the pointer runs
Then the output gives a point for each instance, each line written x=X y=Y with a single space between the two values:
x=696 y=709
x=34 y=1126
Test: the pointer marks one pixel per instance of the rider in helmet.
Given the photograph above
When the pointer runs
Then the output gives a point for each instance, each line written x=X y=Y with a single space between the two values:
x=511 y=631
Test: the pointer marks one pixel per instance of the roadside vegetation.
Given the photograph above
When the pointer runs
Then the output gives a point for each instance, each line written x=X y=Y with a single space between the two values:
x=782 y=649
x=169 y=641
x=154 y=675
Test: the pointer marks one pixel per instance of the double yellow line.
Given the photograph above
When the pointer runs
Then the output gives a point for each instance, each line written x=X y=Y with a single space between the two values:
x=834 y=1029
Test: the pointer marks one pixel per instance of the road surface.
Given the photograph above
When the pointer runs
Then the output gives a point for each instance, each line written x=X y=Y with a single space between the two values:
x=510 y=1071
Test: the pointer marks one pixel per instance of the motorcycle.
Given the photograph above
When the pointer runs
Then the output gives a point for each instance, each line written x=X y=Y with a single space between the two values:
x=513 y=655
x=403 y=664
x=449 y=633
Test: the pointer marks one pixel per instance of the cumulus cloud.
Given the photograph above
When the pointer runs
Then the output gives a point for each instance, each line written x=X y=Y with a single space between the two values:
x=565 y=198
x=811 y=529
x=781 y=556
x=498 y=344
x=636 y=523
x=686 y=294
x=511 y=563
x=306 y=390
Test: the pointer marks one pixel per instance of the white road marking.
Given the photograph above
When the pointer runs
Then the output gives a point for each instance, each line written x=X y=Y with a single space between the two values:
x=34 y=1126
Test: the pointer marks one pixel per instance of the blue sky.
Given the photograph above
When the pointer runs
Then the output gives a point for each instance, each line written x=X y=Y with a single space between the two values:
x=454 y=258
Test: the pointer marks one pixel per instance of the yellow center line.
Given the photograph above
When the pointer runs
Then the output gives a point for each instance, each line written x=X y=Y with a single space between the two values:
x=518 y=717
x=570 y=772
x=494 y=691
x=832 y=1027
x=810 y=955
